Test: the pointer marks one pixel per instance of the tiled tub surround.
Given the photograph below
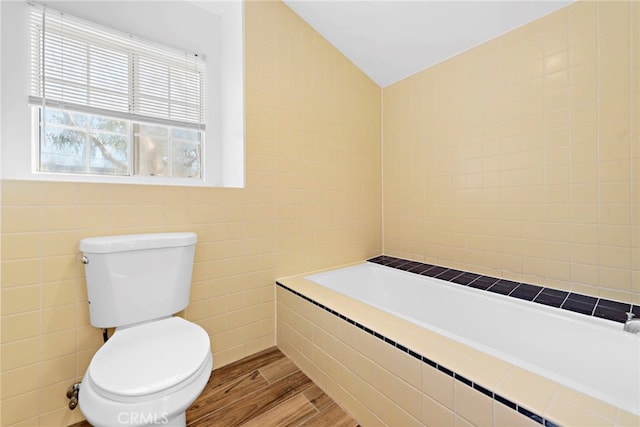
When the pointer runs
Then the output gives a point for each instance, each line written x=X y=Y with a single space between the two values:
x=388 y=371
x=507 y=328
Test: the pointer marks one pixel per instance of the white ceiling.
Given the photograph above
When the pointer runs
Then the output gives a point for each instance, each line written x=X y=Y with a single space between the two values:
x=393 y=39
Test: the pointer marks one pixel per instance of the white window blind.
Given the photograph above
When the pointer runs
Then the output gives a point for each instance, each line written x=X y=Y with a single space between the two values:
x=80 y=66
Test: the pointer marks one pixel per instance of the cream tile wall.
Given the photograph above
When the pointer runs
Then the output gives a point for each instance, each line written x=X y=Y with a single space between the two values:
x=312 y=199
x=520 y=158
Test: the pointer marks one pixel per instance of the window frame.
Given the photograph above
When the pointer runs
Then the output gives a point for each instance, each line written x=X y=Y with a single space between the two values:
x=159 y=86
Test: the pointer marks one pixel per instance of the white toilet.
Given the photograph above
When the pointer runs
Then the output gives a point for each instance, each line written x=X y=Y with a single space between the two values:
x=154 y=365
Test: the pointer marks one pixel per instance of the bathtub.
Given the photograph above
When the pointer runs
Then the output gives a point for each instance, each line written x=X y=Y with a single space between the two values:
x=589 y=355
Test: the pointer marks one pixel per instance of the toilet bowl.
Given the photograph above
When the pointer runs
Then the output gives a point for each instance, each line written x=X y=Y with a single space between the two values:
x=147 y=375
x=155 y=364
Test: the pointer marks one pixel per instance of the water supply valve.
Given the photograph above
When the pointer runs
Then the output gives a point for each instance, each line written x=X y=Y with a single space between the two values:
x=72 y=394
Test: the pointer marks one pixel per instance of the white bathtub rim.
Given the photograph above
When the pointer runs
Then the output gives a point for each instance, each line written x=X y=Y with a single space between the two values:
x=599 y=322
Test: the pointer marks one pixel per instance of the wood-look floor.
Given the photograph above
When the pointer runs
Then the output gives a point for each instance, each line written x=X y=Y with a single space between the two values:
x=265 y=389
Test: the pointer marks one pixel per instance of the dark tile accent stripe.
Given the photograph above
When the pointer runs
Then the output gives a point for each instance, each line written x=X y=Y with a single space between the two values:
x=463 y=380
x=503 y=287
x=505 y=401
x=551 y=297
x=578 y=303
x=434 y=271
x=449 y=275
x=531 y=415
x=613 y=310
x=465 y=279
x=501 y=399
x=483 y=282
x=526 y=292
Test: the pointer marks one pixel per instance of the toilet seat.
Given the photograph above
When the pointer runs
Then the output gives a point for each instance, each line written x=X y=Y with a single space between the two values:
x=139 y=362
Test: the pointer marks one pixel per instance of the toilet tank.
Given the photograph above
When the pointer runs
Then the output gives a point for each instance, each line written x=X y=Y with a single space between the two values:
x=137 y=277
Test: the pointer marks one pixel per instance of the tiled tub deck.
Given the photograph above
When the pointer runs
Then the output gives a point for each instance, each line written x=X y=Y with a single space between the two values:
x=387 y=371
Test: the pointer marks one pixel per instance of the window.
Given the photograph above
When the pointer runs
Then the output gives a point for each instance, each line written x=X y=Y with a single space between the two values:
x=107 y=103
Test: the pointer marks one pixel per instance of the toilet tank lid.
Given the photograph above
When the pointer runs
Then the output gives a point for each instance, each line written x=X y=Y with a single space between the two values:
x=136 y=242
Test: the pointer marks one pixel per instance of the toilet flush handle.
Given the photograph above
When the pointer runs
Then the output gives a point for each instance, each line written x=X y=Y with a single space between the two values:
x=85 y=260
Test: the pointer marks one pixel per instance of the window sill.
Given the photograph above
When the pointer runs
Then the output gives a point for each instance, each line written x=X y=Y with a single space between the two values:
x=135 y=180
